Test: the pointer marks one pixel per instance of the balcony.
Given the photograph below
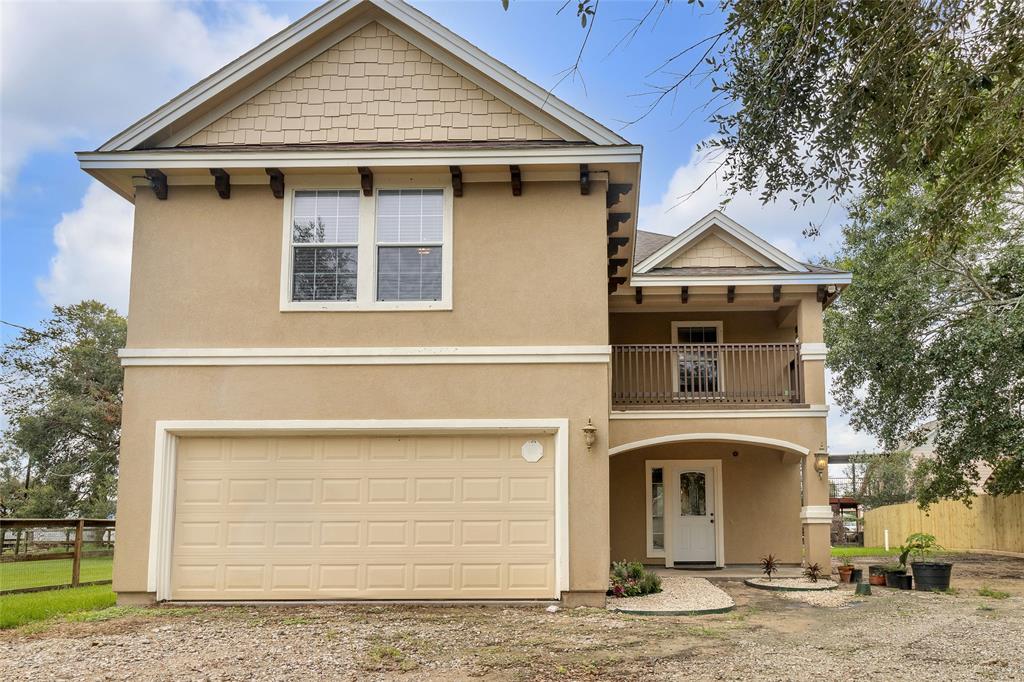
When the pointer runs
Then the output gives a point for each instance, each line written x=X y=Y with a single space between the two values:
x=705 y=375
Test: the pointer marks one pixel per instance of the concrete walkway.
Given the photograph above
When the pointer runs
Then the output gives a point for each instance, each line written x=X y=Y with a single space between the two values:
x=734 y=572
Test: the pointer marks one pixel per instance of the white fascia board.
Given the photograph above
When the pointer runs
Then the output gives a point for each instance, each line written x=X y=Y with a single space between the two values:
x=287 y=39
x=730 y=227
x=166 y=159
x=740 y=280
x=432 y=355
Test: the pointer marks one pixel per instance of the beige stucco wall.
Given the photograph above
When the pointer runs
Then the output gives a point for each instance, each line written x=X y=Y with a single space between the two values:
x=751 y=326
x=760 y=500
x=576 y=392
x=372 y=86
x=712 y=252
x=527 y=270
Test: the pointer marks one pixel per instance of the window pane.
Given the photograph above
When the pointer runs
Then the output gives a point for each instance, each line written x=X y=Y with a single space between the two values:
x=324 y=273
x=409 y=273
x=692 y=500
x=657 y=509
x=698 y=335
x=410 y=216
x=326 y=216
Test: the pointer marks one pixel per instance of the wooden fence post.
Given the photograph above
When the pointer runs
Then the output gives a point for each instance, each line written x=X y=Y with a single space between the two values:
x=76 y=562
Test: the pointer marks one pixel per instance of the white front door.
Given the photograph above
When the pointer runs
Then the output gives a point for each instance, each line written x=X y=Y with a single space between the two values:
x=693 y=528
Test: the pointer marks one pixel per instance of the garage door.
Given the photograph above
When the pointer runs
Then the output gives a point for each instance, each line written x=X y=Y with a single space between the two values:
x=420 y=517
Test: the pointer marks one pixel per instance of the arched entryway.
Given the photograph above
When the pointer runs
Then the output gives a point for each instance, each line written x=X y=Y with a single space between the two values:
x=705 y=499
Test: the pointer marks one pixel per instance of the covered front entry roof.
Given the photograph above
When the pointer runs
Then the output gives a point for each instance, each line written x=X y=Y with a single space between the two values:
x=776 y=443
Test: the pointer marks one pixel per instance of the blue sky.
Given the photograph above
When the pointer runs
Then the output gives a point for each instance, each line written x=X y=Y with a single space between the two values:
x=65 y=238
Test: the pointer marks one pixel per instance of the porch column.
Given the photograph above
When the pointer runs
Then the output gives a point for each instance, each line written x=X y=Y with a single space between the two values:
x=810 y=332
x=816 y=516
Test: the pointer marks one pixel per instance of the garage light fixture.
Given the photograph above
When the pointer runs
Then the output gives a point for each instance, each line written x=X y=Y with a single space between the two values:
x=589 y=434
x=821 y=462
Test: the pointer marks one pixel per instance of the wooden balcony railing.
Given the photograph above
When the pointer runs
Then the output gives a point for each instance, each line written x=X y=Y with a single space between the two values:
x=666 y=376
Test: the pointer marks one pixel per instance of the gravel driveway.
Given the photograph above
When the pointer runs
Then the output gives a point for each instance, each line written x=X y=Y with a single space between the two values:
x=890 y=635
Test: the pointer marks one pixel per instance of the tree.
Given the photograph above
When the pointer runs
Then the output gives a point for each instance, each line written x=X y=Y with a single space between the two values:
x=62 y=395
x=887 y=479
x=910 y=113
x=937 y=330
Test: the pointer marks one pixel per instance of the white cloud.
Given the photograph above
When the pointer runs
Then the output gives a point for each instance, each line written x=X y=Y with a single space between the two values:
x=94 y=247
x=686 y=200
x=78 y=72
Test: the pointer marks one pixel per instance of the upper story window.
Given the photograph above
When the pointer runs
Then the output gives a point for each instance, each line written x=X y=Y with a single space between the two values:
x=347 y=251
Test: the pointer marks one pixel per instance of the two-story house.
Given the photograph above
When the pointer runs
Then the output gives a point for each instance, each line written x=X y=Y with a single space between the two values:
x=393 y=334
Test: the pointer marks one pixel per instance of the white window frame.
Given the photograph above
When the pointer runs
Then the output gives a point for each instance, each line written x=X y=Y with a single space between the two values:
x=653 y=551
x=684 y=324
x=366 y=275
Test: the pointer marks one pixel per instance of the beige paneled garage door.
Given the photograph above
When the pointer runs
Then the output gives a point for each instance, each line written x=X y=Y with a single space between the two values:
x=364 y=517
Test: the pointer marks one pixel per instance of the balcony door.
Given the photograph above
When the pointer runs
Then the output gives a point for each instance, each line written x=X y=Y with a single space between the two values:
x=700 y=369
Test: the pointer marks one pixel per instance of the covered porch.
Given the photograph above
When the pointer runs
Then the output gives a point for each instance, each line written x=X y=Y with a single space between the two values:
x=713 y=501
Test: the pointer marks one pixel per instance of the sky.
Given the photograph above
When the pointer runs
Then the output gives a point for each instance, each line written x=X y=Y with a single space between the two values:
x=73 y=74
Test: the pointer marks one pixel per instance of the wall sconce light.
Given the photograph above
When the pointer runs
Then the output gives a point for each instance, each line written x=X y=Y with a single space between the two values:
x=589 y=434
x=821 y=462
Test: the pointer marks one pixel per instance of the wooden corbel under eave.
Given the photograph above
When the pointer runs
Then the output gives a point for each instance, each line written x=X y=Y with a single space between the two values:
x=158 y=181
x=616 y=243
x=615 y=220
x=456 y=180
x=615 y=192
x=517 y=181
x=276 y=182
x=584 y=179
x=613 y=284
x=614 y=264
x=222 y=181
x=366 y=180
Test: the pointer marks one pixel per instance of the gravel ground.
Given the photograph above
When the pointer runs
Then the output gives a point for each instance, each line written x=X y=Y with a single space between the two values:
x=769 y=636
x=828 y=598
x=678 y=593
x=795 y=583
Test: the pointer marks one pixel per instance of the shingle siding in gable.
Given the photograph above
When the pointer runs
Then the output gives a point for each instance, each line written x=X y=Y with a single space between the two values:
x=373 y=86
x=712 y=252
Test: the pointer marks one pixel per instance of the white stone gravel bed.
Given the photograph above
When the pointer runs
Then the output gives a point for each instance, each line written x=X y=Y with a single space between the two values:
x=794 y=583
x=679 y=593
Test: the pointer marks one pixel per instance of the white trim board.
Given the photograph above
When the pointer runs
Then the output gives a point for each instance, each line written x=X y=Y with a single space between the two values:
x=817 y=411
x=813 y=351
x=653 y=281
x=463 y=57
x=427 y=355
x=710 y=438
x=737 y=235
x=161 y=531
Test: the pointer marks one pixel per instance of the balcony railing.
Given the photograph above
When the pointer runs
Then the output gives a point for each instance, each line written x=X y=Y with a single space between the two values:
x=723 y=374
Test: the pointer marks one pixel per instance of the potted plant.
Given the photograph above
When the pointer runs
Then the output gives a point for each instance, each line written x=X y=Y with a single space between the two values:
x=928 y=575
x=894 y=575
x=876 y=575
x=857 y=575
x=845 y=571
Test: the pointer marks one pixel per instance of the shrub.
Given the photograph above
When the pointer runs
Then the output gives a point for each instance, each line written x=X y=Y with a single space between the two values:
x=769 y=565
x=813 y=572
x=631 y=579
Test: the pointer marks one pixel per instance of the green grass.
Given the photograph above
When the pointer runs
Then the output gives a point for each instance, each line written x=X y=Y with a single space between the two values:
x=850 y=552
x=993 y=594
x=20 y=574
x=19 y=609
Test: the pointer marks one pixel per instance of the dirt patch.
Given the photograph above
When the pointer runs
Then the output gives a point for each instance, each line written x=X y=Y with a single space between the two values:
x=950 y=637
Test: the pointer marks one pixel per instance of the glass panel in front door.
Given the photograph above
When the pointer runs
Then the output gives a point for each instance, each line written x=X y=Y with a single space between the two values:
x=692 y=494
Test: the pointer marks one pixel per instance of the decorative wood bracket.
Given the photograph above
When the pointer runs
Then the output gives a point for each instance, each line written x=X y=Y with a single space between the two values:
x=158 y=181
x=616 y=219
x=684 y=294
x=584 y=179
x=615 y=192
x=276 y=182
x=639 y=295
x=456 y=180
x=614 y=264
x=366 y=180
x=776 y=293
x=517 y=181
x=613 y=284
x=616 y=243
x=222 y=181
x=731 y=295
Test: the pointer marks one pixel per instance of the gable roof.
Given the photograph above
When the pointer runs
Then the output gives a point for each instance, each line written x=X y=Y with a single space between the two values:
x=737 y=236
x=647 y=243
x=234 y=84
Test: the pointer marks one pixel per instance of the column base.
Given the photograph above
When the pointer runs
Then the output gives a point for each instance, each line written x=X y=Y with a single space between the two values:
x=136 y=598
x=593 y=598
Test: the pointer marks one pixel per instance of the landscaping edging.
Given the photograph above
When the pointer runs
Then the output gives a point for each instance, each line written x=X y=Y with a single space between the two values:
x=704 y=612
x=783 y=588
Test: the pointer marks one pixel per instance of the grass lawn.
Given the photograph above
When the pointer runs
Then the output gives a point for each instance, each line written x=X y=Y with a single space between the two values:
x=19 y=609
x=849 y=552
x=19 y=574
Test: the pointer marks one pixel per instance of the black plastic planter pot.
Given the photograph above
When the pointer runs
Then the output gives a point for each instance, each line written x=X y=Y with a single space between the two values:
x=929 y=576
x=906 y=582
x=857 y=575
x=894 y=579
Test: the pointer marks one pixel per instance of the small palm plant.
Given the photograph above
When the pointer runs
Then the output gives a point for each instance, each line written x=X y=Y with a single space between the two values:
x=769 y=565
x=813 y=572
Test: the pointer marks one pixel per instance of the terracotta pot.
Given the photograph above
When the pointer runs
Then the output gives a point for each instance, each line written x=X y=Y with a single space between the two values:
x=844 y=573
x=877 y=580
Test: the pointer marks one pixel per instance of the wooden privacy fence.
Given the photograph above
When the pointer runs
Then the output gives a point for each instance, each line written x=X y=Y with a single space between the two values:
x=47 y=554
x=991 y=523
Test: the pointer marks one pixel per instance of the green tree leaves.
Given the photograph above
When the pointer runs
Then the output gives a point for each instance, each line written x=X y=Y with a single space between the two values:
x=63 y=389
